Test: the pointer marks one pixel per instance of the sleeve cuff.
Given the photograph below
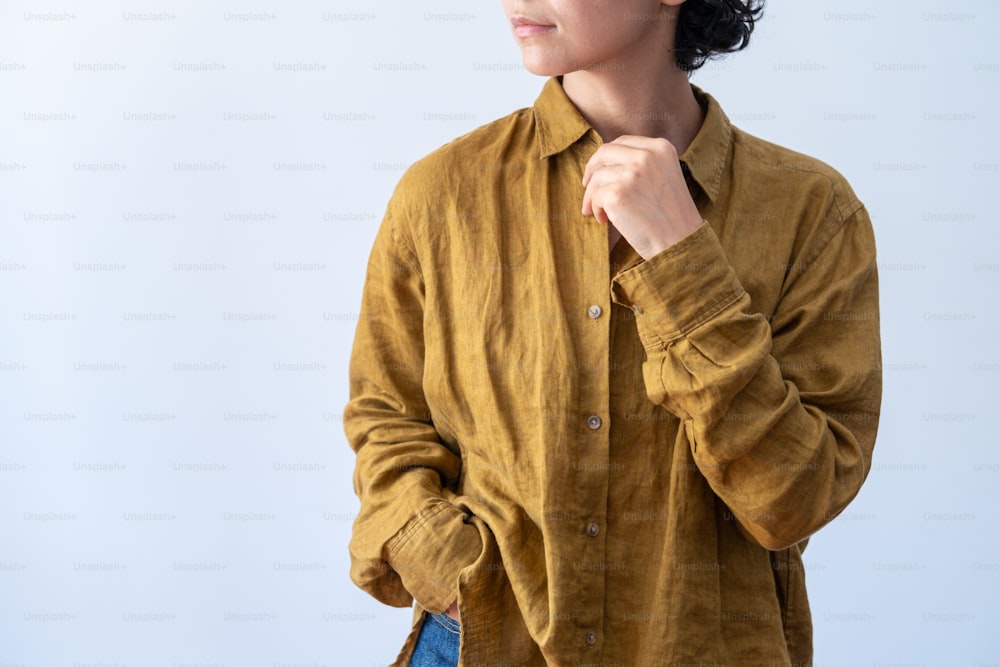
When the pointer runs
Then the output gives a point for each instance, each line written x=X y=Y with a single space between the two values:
x=677 y=289
x=431 y=551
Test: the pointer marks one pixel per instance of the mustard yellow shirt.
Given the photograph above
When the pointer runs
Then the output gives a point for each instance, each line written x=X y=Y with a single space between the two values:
x=610 y=460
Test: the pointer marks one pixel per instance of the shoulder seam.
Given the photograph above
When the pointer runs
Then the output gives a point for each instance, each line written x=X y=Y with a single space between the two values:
x=840 y=210
x=408 y=254
x=842 y=221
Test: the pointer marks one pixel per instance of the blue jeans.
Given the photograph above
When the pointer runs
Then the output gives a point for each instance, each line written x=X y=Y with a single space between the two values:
x=437 y=645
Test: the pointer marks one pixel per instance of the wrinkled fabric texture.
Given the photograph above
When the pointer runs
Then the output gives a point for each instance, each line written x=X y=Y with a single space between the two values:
x=609 y=460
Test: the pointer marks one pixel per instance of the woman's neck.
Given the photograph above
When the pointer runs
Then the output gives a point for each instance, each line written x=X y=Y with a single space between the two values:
x=644 y=103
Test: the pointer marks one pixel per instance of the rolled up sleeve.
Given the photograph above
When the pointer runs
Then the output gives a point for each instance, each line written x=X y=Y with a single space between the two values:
x=409 y=540
x=781 y=415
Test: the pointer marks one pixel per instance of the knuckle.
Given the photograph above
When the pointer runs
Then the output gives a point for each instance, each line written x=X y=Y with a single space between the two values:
x=665 y=148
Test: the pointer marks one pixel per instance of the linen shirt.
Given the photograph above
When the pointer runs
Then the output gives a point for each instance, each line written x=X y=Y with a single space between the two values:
x=609 y=460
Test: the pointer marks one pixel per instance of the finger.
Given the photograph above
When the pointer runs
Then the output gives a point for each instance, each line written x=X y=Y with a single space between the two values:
x=645 y=143
x=589 y=207
x=606 y=155
x=595 y=210
x=608 y=169
x=606 y=174
x=586 y=207
x=601 y=185
x=631 y=150
x=602 y=216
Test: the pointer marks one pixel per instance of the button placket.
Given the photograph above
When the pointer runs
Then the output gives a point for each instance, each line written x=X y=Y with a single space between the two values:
x=591 y=532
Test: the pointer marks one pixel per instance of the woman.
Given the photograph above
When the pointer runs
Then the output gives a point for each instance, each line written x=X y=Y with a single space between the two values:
x=616 y=361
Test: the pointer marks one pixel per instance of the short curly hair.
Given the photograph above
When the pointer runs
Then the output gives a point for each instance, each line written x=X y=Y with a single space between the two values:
x=710 y=28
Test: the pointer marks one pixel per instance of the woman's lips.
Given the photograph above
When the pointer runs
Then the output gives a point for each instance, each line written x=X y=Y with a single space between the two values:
x=523 y=27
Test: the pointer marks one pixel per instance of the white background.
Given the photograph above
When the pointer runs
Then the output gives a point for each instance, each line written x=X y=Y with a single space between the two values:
x=187 y=201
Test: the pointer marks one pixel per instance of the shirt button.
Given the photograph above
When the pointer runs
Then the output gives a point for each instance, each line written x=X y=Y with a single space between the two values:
x=594 y=422
x=637 y=309
x=594 y=311
x=593 y=529
x=591 y=638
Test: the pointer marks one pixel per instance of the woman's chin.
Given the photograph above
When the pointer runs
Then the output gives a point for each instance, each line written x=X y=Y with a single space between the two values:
x=540 y=67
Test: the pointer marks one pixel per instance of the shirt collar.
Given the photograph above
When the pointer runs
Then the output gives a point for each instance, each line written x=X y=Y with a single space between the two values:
x=559 y=122
x=559 y=125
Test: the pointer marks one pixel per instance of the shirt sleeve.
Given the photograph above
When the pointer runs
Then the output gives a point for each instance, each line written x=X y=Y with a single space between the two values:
x=411 y=538
x=781 y=416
